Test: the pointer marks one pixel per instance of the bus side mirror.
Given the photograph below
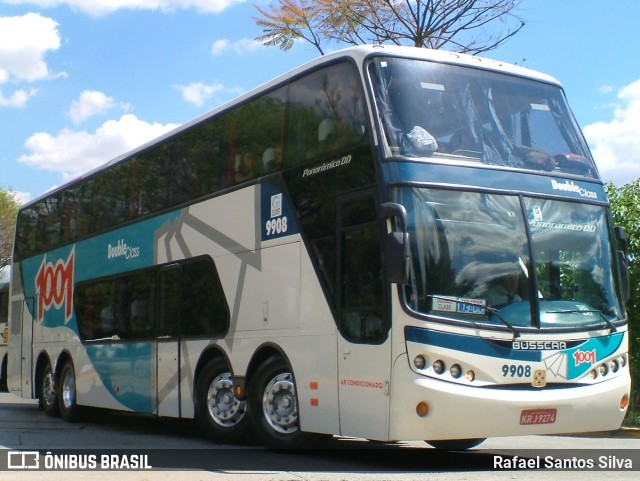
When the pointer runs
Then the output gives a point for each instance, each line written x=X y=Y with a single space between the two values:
x=623 y=242
x=397 y=257
x=397 y=244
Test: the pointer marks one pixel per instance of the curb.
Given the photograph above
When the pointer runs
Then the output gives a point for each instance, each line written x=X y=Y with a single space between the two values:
x=624 y=432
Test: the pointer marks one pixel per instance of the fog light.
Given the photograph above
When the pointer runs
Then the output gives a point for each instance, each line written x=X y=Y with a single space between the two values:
x=438 y=366
x=422 y=409
x=419 y=362
x=624 y=402
x=456 y=371
x=471 y=376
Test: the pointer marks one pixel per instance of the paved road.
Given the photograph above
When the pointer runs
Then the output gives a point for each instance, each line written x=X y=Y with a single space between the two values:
x=178 y=445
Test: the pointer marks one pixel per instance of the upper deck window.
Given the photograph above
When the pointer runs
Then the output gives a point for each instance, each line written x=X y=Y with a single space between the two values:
x=454 y=113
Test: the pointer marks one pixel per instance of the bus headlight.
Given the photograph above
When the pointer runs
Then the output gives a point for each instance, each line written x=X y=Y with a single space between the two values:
x=623 y=360
x=603 y=370
x=419 y=362
x=456 y=371
x=438 y=366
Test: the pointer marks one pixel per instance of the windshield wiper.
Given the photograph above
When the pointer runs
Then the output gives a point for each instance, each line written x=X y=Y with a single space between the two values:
x=496 y=313
x=609 y=324
x=491 y=310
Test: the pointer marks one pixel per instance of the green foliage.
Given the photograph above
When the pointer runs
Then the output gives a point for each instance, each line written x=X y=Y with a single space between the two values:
x=458 y=25
x=8 y=212
x=625 y=207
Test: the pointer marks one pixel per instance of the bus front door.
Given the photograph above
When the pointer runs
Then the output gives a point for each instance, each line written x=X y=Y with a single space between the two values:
x=364 y=346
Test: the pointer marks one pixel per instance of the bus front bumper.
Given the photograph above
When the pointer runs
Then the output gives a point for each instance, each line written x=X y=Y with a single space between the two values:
x=429 y=409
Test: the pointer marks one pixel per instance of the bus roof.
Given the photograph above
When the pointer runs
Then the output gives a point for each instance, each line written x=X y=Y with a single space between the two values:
x=359 y=53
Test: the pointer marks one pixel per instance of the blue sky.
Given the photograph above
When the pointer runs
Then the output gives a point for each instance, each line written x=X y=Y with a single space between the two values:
x=83 y=81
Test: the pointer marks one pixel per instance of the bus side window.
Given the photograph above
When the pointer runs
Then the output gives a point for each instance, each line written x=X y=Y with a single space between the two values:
x=204 y=308
x=326 y=113
x=169 y=302
x=361 y=280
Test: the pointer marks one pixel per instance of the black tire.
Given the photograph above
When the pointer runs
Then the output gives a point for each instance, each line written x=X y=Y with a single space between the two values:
x=48 y=399
x=456 y=444
x=67 y=393
x=273 y=406
x=221 y=416
x=3 y=376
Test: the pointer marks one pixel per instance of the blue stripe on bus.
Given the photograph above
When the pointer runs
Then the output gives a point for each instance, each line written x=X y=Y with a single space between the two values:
x=579 y=358
x=454 y=175
x=468 y=344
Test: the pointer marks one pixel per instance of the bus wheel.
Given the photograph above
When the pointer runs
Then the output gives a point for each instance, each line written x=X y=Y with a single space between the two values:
x=455 y=444
x=220 y=415
x=48 y=395
x=273 y=405
x=67 y=399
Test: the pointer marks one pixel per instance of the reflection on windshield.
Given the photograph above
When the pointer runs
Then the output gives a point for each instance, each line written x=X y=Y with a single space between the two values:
x=471 y=259
x=573 y=262
x=446 y=111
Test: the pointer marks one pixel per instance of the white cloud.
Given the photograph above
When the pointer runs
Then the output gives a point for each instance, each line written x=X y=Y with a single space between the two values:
x=616 y=143
x=17 y=99
x=220 y=46
x=198 y=93
x=105 y=7
x=21 y=197
x=24 y=41
x=90 y=103
x=243 y=46
x=74 y=152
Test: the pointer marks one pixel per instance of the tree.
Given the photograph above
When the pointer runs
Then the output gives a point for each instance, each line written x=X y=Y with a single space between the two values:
x=8 y=211
x=458 y=25
x=625 y=208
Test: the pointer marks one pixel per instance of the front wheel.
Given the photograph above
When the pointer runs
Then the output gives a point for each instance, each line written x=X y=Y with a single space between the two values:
x=456 y=444
x=273 y=405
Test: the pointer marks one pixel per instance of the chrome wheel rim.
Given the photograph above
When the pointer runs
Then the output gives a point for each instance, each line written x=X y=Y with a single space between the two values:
x=280 y=405
x=48 y=388
x=224 y=409
x=68 y=389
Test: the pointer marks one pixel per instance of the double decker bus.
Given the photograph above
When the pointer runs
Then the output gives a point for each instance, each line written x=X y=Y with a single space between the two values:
x=387 y=243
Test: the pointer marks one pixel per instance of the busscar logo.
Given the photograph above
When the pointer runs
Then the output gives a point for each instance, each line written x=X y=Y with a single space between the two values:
x=538 y=345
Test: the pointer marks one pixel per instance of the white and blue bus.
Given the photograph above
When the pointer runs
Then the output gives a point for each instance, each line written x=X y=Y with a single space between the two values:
x=387 y=243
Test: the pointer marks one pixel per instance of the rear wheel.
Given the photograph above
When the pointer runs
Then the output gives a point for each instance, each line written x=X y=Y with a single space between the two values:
x=48 y=395
x=220 y=415
x=273 y=404
x=67 y=394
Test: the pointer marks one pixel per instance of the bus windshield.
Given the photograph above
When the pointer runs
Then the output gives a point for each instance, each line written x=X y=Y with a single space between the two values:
x=472 y=260
x=460 y=114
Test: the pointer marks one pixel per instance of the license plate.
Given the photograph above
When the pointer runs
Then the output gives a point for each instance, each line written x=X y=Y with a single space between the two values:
x=538 y=416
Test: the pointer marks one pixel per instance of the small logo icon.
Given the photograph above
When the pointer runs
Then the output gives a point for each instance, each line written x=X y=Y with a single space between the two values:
x=539 y=378
x=276 y=205
x=23 y=460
